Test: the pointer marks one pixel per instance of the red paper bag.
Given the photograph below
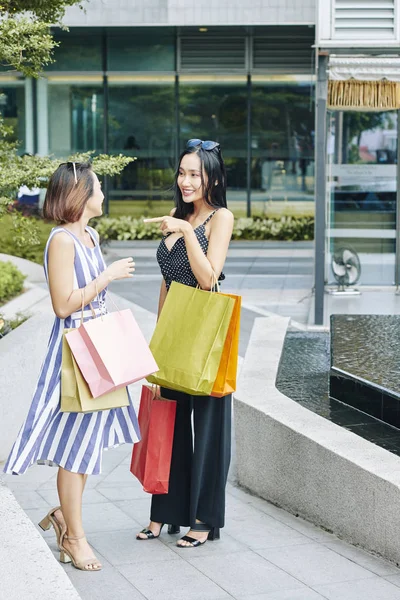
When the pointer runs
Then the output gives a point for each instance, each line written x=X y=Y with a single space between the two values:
x=151 y=457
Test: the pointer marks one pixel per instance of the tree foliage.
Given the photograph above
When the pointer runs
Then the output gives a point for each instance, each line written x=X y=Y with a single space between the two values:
x=26 y=45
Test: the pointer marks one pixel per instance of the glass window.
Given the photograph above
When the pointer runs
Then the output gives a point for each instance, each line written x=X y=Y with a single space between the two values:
x=80 y=49
x=141 y=49
x=75 y=118
x=282 y=141
x=216 y=110
x=362 y=184
x=12 y=109
x=142 y=124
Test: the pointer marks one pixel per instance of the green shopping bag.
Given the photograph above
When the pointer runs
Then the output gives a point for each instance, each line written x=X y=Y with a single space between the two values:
x=189 y=338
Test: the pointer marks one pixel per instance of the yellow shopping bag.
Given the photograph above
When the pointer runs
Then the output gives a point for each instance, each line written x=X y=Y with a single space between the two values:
x=189 y=339
x=75 y=392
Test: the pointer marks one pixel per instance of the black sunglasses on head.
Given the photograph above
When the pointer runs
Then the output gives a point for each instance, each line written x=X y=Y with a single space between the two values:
x=207 y=145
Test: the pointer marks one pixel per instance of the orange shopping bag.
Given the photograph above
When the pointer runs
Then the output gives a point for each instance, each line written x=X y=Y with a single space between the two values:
x=225 y=382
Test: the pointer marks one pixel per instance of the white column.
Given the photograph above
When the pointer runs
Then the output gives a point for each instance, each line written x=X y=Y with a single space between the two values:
x=29 y=131
x=42 y=117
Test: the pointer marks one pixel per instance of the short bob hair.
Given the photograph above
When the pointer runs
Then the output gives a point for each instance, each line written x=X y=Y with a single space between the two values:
x=68 y=191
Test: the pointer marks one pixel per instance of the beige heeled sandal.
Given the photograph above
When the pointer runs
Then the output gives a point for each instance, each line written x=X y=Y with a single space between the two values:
x=83 y=565
x=51 y=520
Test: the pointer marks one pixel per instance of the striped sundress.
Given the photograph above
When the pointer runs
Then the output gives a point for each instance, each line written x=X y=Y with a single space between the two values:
x=74 y=441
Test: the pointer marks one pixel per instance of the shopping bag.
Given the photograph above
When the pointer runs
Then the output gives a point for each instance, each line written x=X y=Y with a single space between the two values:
x=151 y=457
x=189 y=338
x=75 y=392
x=111 y=352
x=225 y=382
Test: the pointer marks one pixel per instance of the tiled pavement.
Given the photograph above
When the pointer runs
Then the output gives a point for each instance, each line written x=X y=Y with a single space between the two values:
x=264 y=553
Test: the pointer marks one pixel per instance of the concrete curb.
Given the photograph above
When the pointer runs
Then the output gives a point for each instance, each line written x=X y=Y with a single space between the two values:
x=25 y=303
x=27 y=566
x=306 y=464
x=33 y=271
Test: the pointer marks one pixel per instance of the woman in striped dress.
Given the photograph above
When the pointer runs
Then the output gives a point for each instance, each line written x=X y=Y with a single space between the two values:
x=73 y=442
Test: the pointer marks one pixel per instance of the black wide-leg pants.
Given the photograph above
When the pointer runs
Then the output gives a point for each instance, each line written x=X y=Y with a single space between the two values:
x=199 y=466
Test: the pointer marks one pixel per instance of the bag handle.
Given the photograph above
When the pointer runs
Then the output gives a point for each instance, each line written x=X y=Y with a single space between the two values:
x=83 y=305
x=112 y=301
x=214 y=283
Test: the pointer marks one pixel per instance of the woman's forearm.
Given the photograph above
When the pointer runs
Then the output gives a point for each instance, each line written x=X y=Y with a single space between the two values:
x=64 y=309
x=200 y=265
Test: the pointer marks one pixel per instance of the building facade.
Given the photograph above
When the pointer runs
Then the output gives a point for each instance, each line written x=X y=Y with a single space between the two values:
x=142 y=77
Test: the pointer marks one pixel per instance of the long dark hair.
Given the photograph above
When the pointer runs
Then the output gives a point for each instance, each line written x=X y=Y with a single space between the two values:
x=212 y=165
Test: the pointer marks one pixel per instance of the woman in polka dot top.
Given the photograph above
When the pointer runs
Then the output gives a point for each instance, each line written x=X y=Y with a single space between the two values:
x=197 y=235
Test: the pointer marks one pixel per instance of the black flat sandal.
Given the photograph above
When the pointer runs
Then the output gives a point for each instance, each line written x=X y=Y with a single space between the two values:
x=172 y=529
x=213 y=534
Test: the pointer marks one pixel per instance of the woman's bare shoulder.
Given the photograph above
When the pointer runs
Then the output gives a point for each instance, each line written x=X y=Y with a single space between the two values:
x=223 y=216
x=61 y=241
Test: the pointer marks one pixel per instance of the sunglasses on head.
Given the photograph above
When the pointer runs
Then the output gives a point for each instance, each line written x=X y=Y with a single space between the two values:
x=207 y=145
x=74 y=165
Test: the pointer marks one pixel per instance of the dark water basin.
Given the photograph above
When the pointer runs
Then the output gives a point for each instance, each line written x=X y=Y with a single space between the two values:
x=303 y=376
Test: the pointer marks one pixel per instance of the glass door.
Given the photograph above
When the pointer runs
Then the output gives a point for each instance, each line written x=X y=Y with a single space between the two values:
x=361 y=192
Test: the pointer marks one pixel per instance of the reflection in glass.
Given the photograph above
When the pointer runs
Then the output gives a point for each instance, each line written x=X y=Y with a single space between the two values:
x=282 y=140
x=75 y=119
x=361 y=159
x=12 y=109
x=141 y=49
x=79 y=50
x=142 y=124
x=218 y=112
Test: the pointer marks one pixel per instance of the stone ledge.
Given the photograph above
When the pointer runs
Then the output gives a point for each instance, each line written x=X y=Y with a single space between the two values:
x=25 y=302
x=33 y=271
x=27 y=566
x=304 y=463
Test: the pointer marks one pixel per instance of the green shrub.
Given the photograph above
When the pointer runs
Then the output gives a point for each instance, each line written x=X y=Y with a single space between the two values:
x=284 y=228
x=126 y=228
x=6 y=326
x=33 y=252
x=11 y=281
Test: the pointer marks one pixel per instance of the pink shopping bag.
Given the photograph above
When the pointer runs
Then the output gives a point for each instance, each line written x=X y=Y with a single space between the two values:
x=111 y=352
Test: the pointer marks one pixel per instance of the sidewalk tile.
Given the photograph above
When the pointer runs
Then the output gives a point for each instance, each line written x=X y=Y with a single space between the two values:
x=314 y=564
x=226 y=545
x=120 y=475
x=36 y=515
x=374 y=588
x=107 y=584
x=31 y=499
x=395 y=579
x=264 y=532
x=138 y=509
x=106 y=517
x=172 y=579
x=368 y=561
x=122 y=548
x=303 y=594
x=116 y=492
x=90 y=496
x=238 y=573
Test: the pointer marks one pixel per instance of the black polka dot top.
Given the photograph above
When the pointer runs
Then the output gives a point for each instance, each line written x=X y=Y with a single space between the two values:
x=174 y=263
